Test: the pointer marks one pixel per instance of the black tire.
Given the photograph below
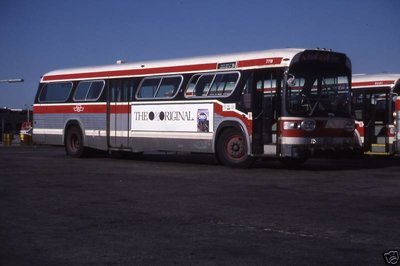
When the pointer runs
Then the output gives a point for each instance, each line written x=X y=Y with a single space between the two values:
x=232 y=149
x=74 y=142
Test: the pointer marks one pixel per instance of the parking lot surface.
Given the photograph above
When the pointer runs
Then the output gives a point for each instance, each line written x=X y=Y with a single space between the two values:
x=188 y=210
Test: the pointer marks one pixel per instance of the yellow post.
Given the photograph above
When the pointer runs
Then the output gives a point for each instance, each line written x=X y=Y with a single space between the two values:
x=25 y=139
x=7 y=139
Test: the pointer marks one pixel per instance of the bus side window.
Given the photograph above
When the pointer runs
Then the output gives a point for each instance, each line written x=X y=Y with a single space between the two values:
x=95 y=90
x=55 y=92
x=189 y=92
x=169 y=86
x=212 y=85
x=148 y=88
x=89 y=90
x=203 y=85
x=223 y=84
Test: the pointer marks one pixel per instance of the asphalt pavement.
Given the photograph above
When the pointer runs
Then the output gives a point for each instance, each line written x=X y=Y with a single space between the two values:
x=188 y=210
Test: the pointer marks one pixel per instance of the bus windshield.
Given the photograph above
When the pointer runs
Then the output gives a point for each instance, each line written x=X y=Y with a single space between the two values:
x=318 y=95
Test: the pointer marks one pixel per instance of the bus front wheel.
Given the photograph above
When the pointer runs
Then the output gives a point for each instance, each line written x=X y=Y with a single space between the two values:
x=74 y=142
x=232 y=149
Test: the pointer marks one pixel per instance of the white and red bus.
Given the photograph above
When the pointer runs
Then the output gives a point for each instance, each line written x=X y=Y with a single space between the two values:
x=376 y=106
x=285 y=103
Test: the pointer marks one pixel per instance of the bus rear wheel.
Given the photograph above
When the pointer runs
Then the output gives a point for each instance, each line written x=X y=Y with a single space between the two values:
x=74 y=142
x=232 y=149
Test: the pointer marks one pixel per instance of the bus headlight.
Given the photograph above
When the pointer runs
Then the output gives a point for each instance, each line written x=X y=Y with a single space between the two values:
x=394 y=114
x=290 y=125
x=308 y=125
x=349 y=126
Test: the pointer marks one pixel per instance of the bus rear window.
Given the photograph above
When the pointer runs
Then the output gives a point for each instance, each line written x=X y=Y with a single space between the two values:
x=55 y=92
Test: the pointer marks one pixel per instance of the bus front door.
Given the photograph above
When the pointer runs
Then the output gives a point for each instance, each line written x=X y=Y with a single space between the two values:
x=376 y=122
x=119 y=113
x=265 y=108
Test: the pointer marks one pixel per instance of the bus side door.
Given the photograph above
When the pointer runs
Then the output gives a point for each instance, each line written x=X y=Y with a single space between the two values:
x=119 y=113
x=376 y=121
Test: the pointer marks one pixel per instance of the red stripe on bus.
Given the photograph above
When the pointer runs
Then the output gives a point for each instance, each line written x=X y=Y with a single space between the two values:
x=132 y=72
x=81 y=108
x=160 y=70
x=70 y=109
x=372 y=83
x=120 y=109
x=260 y=62
x=247 y=122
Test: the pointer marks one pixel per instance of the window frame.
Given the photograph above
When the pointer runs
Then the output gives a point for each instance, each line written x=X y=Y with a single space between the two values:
x=91 y=82
x=63 y=101
x=200 y=75
x=158 y=87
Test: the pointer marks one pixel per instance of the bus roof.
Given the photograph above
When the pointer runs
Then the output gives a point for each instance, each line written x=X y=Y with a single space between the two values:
x=265 y=58
x=375 y=80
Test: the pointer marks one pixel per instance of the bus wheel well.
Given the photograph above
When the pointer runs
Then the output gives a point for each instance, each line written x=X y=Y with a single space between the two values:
x=73 y=141
x=71 y=123
x=225 y=126
x=231 y=146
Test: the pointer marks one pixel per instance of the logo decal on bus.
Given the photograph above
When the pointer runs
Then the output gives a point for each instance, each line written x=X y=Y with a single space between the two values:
x=203 y=124
x=163 y=116
x=79 y=108
x=191 y=117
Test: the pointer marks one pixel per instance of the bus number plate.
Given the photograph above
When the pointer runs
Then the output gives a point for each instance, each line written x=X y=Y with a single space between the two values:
x=229 y=107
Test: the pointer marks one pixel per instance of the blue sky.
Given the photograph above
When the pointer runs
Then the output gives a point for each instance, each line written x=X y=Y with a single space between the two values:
x=40 y=36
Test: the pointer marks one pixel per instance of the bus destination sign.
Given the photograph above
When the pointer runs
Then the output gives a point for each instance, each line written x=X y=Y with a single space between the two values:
x=228 y=65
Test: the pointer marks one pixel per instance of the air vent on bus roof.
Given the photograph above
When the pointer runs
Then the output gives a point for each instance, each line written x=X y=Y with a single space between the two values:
x=324 y=49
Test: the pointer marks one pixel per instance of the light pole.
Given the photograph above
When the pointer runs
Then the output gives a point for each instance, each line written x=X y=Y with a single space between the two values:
x=11 y=80
x=28 y=108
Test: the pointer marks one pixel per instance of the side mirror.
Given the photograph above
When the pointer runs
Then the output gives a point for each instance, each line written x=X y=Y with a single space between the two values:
x=291 y=81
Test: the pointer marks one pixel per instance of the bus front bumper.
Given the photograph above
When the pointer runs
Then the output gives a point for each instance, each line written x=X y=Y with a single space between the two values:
x=306 y=147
